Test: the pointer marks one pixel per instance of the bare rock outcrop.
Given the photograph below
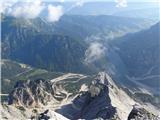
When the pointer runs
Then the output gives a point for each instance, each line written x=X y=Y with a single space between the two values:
x=35 y=93
x=140 y=113
x=92 y=104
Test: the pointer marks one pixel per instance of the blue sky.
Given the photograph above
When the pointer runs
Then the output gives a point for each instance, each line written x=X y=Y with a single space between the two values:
x=112 y=0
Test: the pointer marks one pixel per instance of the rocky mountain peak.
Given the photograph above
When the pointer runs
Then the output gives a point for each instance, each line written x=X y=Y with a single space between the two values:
x=35 y=93
x=101 y=99
x=139 y=113
x=92 y=104
x=102 y=78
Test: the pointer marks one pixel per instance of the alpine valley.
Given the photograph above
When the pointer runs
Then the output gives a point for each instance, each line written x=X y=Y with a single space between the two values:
x=84 y=66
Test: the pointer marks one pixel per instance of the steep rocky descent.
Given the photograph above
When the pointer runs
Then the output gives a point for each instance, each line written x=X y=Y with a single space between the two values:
x=10 y=112
x=139 y=113
x=97 y=98
x=35 y=93
x=102 y=100
x=40 y=92
x=47 y=115
x=92 y=104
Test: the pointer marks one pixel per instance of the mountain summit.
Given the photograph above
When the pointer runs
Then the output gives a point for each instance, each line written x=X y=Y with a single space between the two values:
x=100 y=99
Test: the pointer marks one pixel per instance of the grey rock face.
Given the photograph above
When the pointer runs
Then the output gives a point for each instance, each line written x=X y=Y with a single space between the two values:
x=95 y=103
x=139 y=113
x=33 y=93
x=102 y=99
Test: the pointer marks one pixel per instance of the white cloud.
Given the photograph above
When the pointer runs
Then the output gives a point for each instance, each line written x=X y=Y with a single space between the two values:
x=33 y=8
x=27 y=9
x=79 y=3
x=62 y=1
x=6 y=4
x=121 y=3
x=54 y=13
x=94 y=52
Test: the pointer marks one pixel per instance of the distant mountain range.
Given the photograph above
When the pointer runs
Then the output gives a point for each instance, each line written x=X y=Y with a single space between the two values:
x=61 y=46
x=140 y=55
x=94 y=63
x=147 y=10
x=146 y=13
